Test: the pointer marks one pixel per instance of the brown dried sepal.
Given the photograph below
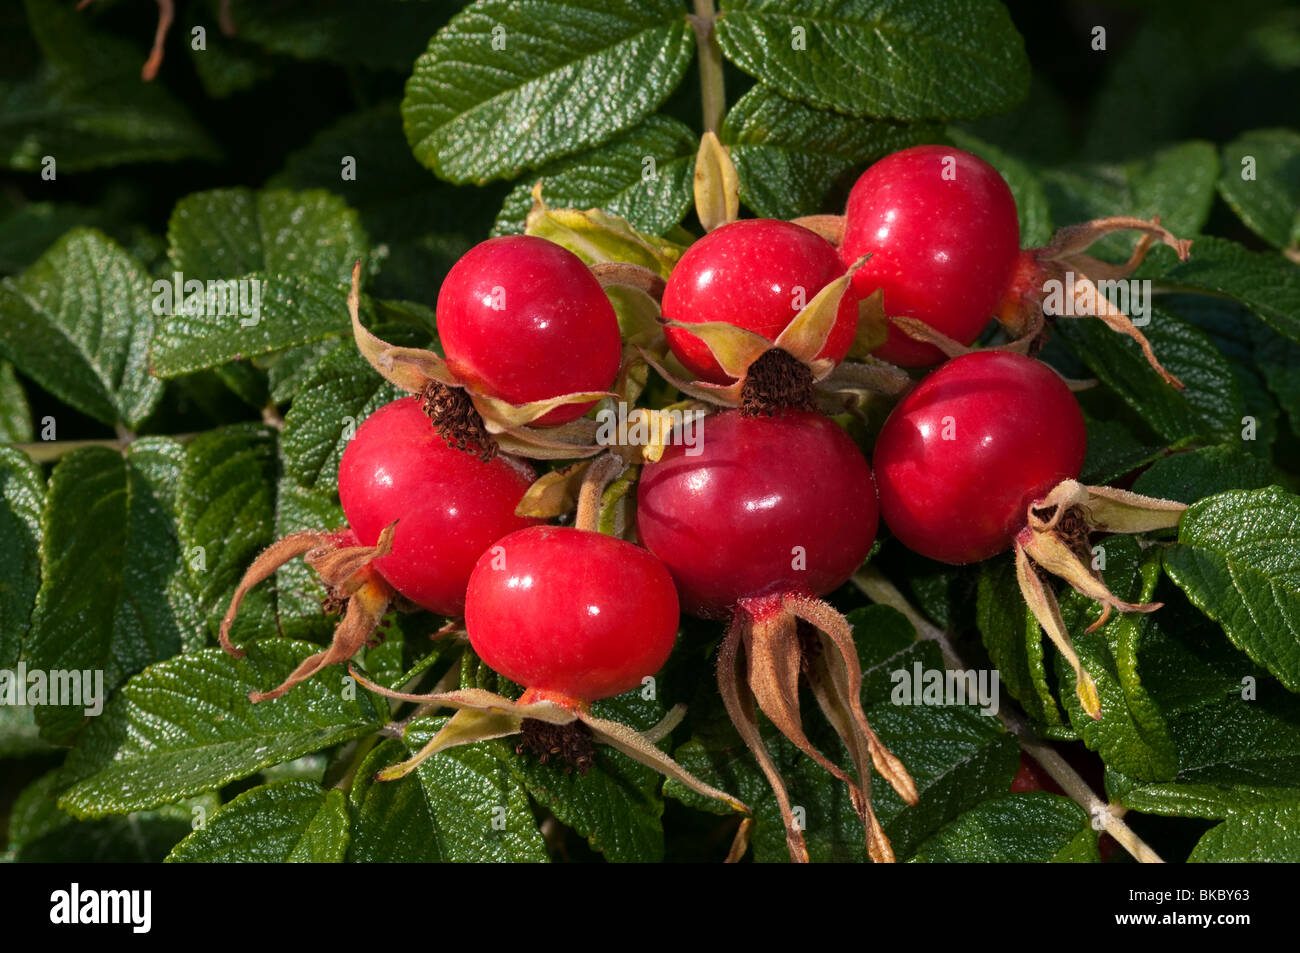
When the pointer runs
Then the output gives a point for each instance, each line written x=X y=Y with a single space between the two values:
x=349 y=581
x=482 y=715
x=760 y=662
x=1055 y=541
x=1022 y=313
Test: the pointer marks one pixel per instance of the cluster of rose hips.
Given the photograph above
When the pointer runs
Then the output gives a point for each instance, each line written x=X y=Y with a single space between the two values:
x=775 y=508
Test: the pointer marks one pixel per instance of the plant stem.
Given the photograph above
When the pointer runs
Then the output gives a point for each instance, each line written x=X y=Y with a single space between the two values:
x=712 y=89
x=363 y=748
x=880 y=590
x=597 y=478
x=47 y=451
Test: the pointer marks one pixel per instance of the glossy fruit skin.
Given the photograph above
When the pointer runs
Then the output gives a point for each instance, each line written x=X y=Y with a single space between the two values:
x=1016 y=432
x=449 y=504
x=746 y=273
x=522 y=319
x=571 y=612
x=727 y=522
x=942 y=248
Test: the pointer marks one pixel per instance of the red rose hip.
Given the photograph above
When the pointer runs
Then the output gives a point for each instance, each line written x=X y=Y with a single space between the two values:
x=571 y=613
x=770 y=505
x=756 y=274
x=449 y=505
x=522 y=319
x=941 y=227
x=963 y=455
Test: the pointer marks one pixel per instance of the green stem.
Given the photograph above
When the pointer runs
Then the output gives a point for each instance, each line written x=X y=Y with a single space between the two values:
x=711 y=83
x=363 y=748
x=47 y=451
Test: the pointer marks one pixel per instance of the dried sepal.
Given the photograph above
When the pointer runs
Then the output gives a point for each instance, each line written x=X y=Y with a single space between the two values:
x=571 y=441
x=263 y=567
x=733 y=347
x=623 y=274
x=725 y=395
x=846 y=678
x=829 y=227
x=1042 y=602
x=640 y=748
x=408 y=368
x=421 y=372
x=740 y=353
x=867 y=377
x=483 y=715
x=717 y=186
x=367 y=604
x=1049 y=544
x=346 y=572
x=806 y=334
x=500 y=416
x=1109 y=510
x=761 y=661
x=1069 y=244
x=739 y=702
x=1064 y=260
x=873 y=325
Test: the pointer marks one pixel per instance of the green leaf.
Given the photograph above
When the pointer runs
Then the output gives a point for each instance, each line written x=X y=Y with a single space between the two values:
x=108 y=551
x=1031 y=828
x=186 y=726
x=1188 y=477
x=78 y=322
x=41 y=833
x=1268 y=200
x=1238 y=560
x=1132 y=735
x=1237 y=730
x=1211 y=405
x=1031 y=198
x=1238 y=336
x=326 y=412
x=228 y=233
x=928 y=59
x=788 y=154
x=277 y=823
x=616 y=805
x=1014 y=640
x=395 y=196
x=294 y=309
x=19 y=735
x=461 y=805
x=643 y=175
x=289 y=369
x=1270 y=834
x=503 y=88
x=1113 y=451
x=86 y=106
x=22 y=496
x=1277 y=359
x=225 y=511
x=1177 y=183
x=28 y=231
x=381 y=34
x=1266 y=283
x=226 y=65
